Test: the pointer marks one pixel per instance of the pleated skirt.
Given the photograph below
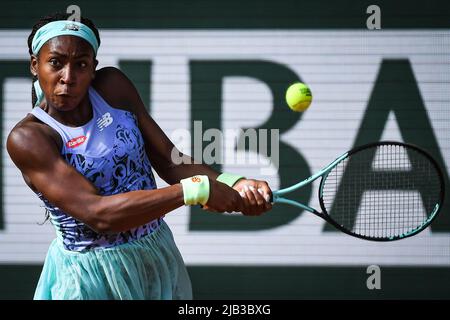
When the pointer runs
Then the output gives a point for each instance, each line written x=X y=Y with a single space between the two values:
x=150 y=268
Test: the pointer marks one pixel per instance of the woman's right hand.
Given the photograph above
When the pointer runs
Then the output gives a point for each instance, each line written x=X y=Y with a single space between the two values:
x=223 y=198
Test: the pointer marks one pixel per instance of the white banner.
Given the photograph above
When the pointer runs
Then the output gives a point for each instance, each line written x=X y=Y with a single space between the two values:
x=339 y=66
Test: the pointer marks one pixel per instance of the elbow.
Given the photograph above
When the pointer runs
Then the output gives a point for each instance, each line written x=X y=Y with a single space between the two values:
x=101 y=225
x=100 y=220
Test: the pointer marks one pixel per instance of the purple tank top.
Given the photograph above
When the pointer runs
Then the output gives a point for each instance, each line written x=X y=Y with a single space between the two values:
x=109 y=151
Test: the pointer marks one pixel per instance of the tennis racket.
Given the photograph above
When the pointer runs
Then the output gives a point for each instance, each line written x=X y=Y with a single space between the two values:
x=381 y=191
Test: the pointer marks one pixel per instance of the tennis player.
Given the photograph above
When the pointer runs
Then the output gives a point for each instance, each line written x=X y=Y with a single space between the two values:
x=87 y=150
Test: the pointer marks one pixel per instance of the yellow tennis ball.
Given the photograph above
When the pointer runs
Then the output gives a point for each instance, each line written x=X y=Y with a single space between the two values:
x=298 y=97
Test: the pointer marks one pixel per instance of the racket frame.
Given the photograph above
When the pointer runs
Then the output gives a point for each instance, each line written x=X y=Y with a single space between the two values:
x=277 y=194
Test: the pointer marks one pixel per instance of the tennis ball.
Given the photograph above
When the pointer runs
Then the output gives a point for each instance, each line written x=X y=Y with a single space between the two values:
x=298 y=97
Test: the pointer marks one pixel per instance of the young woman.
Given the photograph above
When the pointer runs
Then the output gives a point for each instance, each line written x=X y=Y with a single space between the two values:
x=87 y=150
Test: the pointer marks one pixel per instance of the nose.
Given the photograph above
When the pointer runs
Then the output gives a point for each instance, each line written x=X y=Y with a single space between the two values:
x=68 y=75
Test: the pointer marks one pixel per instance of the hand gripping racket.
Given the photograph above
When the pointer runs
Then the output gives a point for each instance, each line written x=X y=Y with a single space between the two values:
x=380 y=191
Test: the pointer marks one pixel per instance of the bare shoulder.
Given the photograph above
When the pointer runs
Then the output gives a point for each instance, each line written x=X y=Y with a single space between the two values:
x=115 y=87
x=107 y=76
x=32 y=140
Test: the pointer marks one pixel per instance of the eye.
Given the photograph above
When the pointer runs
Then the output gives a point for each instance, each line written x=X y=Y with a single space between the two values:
x=83 y=64
x=54 y=62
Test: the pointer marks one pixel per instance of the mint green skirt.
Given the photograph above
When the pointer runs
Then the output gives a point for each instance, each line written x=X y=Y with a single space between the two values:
x=148 y=268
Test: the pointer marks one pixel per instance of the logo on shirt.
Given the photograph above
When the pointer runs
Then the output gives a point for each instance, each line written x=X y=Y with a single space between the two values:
x=104 y=121
x=75 y=142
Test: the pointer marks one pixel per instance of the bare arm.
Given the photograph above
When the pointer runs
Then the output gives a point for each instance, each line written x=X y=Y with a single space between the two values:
x=36 y=155
x=256 y=199
x=162 y=149
x=159 y=148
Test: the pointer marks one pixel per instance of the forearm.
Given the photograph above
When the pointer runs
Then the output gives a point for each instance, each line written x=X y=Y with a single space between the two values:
x=129 y=210
x=175 y=172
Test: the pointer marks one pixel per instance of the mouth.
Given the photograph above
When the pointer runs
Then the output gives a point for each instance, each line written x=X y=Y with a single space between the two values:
x=64 y=91
x=64 y=95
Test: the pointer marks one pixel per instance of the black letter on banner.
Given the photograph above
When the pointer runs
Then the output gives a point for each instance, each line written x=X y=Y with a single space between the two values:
x=396 y=91
x=140 y=73
x=206 y=98
x=9 y=69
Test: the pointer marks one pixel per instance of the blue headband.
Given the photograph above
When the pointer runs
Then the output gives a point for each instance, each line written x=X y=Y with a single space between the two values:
x=55 y=29
x=63 y=28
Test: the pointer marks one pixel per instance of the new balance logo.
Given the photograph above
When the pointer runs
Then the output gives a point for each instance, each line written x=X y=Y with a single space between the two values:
x=104 y=121
x=71 y=26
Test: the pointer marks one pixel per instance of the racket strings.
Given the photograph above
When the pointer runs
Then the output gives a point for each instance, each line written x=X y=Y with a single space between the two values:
x=382 y=192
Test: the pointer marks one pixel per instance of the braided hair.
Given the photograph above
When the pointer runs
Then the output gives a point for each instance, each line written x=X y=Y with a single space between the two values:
x=43 y=21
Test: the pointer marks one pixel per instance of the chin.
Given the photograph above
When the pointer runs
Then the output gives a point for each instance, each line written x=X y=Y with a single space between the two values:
x=66 y=105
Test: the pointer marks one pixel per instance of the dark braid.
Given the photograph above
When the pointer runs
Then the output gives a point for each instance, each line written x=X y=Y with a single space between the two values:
x=42 y=22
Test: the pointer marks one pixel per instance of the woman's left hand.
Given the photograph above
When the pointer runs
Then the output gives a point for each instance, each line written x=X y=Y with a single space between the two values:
x=256 y=195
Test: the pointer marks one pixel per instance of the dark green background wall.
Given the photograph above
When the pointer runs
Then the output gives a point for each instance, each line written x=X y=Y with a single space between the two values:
x=315 y=282
x=248 y=14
